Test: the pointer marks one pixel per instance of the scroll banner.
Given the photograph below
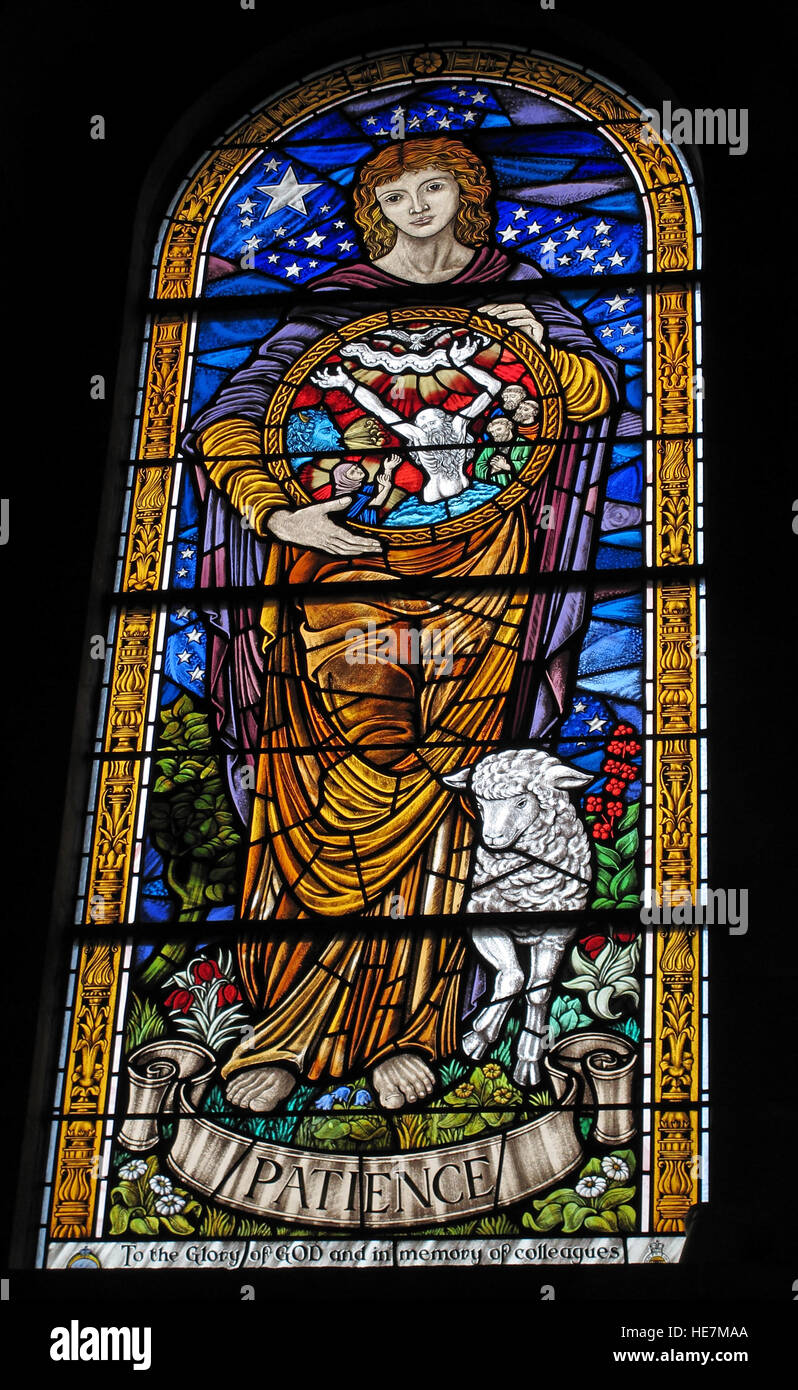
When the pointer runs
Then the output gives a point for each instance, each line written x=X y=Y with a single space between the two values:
x=384 y=1189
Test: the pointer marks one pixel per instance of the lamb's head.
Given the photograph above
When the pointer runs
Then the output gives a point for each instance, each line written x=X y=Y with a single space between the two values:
x=513 y=788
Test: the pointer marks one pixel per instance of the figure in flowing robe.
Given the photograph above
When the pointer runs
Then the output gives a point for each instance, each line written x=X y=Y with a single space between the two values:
x=350 y=816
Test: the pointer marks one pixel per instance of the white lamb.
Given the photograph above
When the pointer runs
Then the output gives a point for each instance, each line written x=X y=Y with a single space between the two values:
x=534 y=857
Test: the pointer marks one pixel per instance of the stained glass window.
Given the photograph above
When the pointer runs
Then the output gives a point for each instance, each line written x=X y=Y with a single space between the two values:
x=403 y=709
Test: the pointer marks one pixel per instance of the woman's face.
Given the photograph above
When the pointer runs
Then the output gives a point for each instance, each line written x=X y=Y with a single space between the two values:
x=420 y=204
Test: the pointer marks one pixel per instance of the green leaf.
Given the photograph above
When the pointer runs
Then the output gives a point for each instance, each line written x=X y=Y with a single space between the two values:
x=627 y=1218
x=592 y=1168
x=127 y=1192
x=144 y=1225
x=574 y=1216
x=607 y=857
x=627 y=845
x=608 y=1222
x=548 y=1218
x=602 y=903
x=630 y=817
x=628 y=1157
x=177 y=1224
x=603 y=880
x=614 y=1197
x=332 y=1129
x=120 y=1216
x=623 y=881
x=163 y=785
x=474 y=1126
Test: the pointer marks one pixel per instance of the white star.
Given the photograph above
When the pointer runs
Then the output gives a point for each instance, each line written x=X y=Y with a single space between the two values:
x=586 y=253
x=572 y=233
x=606 y=332
x=253 y=243
x=313 y=264
x=478 y=99
x=182 y=613
x=187 y=553
x=273 y=260
x=183 y=657
x=620 y=348
x=182 y=573
x=381 y=131
x=288 y=193
x=431 y=111
x=469 y=117
x=345 y=245
x=325 y=207
x=414 y=122
x=605 y=241
x=627 y=329
x=462 y=92
x=580 y=707
x=557 y=219
x=398 y=112
x=444 y=123
x=339 y=225
x=194 y=635
x=521 y=213
x=281 y=231
x=509 y=233
x=616 y=303
x=563 y=260
x=292 y=242
x=595 y=725
x=550 y=245
x=601 y=228
x=197 y=673
x=292 y=270
x=272 y=166
x=246 y=206
x=246 y=221
x=533 y=228
x=598 y=268
x=615 y=259
x=371 y=120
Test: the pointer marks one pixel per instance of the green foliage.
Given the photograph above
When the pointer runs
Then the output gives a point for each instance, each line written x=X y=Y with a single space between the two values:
x=191 y=822
x=598 y=1202
x=616 y=877
x=451 y=1071
x=566 y=1015
x=630 y=1029
x=137 y=1208
x=144 y=1023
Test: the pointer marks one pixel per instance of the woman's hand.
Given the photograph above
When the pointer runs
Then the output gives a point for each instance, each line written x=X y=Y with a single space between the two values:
x=388 y=467
x=313 y=528
x=519 y=317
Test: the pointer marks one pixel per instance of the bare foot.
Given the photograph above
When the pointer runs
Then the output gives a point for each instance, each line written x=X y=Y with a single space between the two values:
x=401 y=1080
x=260 y=1088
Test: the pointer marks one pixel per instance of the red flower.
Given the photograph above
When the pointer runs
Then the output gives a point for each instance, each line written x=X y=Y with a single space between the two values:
x=181 y=999
x=228 y=994
x=591 y=945
x=622 y=729
x=601 y=831
x=627 y=771
x=614 y=787
x=205 y=970
x=625 y=936
x=593 y=804
x=614 y=808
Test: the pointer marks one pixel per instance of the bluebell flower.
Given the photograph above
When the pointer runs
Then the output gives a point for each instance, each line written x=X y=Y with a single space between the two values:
x=324 y=1103
x=342 y=1094
x=362 y=1098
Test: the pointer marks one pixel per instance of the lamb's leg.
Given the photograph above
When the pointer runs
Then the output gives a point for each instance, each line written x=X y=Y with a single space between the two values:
x=498 y=949
x=546 y=952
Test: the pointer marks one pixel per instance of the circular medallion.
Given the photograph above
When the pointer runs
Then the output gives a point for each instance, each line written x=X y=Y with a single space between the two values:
x=433 y=421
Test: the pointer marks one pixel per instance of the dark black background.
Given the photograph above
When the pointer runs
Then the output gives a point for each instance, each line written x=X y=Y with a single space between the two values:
x=168 y=77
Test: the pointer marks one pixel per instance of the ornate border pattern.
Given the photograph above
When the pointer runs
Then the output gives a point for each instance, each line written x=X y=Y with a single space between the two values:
x=676 y=1070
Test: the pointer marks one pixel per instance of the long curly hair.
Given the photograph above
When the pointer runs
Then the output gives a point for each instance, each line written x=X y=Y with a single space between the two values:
x=472 y=223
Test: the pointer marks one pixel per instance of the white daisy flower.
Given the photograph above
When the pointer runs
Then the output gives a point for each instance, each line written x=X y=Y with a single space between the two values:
x=162 y=1186
x=136 y=1168
x=614 y=1167
x=591 y=1186
x=170 y=1206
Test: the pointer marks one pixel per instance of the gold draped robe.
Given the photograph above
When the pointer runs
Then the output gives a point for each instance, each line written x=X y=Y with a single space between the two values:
x=350 y=815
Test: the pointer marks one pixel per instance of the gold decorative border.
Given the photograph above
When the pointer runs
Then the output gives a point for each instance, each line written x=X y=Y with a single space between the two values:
x=675 y=1130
